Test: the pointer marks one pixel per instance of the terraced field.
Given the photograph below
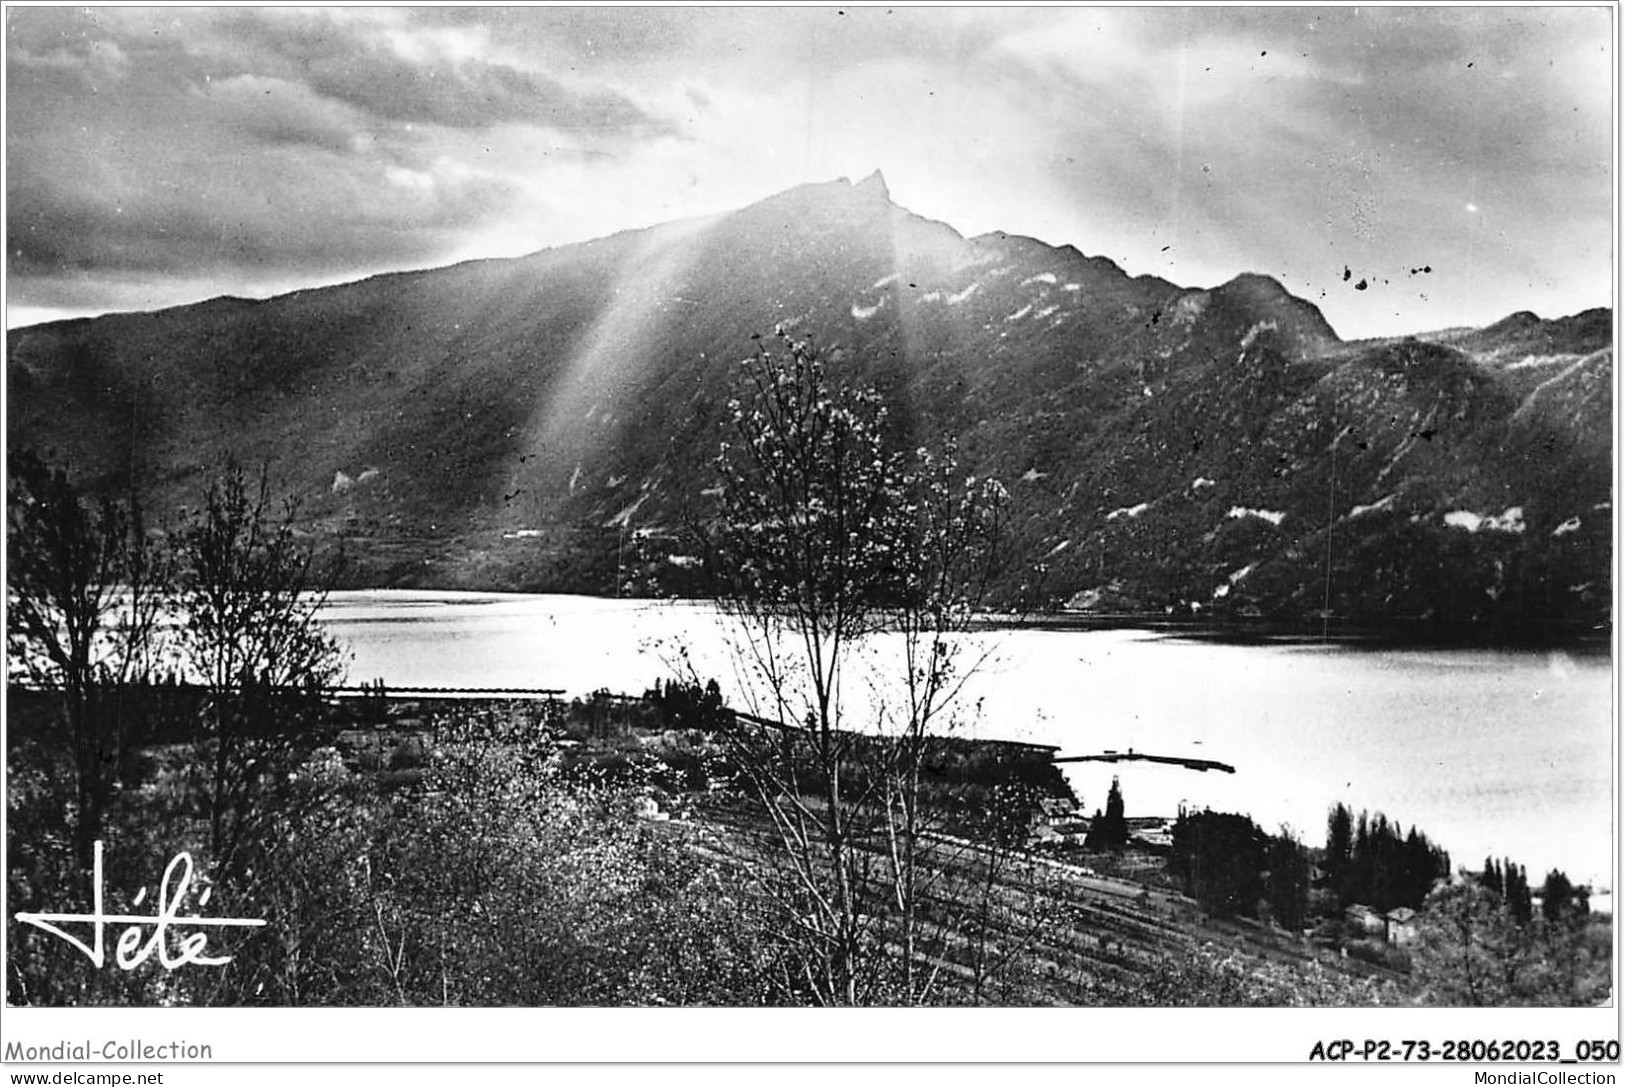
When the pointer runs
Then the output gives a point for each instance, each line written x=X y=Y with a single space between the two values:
x=1058 y=934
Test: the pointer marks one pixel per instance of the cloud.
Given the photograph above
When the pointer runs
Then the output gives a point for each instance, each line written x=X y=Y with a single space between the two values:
x=179 y=144
x=278 y=146
x=398 y=76
x=67 y=40
x=276 y=111
x=584 y=37
x=1292 y=140
x=322 y=216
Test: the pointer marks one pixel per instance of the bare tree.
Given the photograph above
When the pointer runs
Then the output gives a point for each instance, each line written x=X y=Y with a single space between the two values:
x=250 y=593
x=828 y=539
x=83 y=600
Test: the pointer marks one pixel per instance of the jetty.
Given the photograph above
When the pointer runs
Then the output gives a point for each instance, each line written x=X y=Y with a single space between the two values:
x=1203 y=765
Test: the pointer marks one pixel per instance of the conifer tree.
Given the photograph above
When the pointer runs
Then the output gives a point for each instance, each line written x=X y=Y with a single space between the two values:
x=1491 y=876
x=1519 y=899
x=1339 y=851
x=1109 y=830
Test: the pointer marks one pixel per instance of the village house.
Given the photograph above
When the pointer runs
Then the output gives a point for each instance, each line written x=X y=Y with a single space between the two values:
x=1401 y=926
x=1068 y=830
x=1056 y=809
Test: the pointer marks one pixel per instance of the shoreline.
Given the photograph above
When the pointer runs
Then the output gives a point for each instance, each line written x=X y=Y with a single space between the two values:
x=1390 y=728
x=1335 y=633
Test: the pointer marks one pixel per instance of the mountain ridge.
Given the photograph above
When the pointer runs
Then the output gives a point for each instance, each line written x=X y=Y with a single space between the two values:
x=505 y=423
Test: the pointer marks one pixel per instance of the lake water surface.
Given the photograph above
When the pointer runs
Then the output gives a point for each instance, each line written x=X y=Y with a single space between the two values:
x=1507 y=753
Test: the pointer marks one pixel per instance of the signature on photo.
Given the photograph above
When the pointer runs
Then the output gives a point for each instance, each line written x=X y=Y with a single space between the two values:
x=135 y=946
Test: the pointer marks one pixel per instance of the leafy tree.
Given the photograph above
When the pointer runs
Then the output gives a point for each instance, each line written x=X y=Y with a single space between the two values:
x=1576 y=951
x=1286 y=880
x=827 y=538
x=1221 y=859
x=1464 y=942
x=1561 y=902
x=1478 y=946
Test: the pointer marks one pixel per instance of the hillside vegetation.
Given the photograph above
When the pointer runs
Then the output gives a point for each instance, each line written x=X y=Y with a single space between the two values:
x=548 y=422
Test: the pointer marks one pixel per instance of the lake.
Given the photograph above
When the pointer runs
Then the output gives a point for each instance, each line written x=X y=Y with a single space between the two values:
x=1503 y=752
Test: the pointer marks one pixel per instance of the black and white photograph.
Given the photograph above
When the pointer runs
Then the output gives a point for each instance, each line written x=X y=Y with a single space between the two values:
x=800 y=507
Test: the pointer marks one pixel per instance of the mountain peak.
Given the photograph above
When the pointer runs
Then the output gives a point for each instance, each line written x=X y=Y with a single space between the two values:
x=1268 y=299
x=1519 y=321
x=837 y=192
x=1256 y=285
x=873 y=186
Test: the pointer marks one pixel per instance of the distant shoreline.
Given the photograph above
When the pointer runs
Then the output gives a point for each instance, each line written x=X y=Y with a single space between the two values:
x=1417 y=634
x=1413 y=634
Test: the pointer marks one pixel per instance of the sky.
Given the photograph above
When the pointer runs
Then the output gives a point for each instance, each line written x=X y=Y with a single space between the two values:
x=1406 y=169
